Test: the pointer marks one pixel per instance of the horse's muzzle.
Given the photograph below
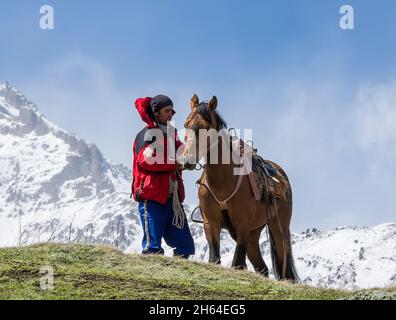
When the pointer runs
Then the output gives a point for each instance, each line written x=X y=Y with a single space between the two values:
x=189 y=166
x=189 y=163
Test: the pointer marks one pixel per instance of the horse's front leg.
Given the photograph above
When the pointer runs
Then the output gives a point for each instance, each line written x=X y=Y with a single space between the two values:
x=212 y=233
x=239 y=261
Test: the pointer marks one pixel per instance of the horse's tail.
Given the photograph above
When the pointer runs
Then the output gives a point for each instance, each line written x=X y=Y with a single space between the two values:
x=290 y=270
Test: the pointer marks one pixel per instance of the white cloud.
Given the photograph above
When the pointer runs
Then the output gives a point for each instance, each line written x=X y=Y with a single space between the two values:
x=376 y=119
x=83 y=96
x=375 y=131
x=338 y=178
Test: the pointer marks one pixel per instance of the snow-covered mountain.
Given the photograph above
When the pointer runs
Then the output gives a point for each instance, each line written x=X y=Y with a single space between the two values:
x=55 y=186
x=348 y=257
x=344 y=258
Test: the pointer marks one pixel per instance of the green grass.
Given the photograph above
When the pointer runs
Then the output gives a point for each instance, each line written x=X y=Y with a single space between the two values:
x=99 y=272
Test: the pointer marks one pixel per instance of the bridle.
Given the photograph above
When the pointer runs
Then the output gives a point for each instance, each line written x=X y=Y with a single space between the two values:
x=199 y=166
x=195 y=128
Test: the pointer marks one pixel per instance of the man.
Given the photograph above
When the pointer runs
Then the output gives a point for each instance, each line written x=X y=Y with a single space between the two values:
x=157 y=181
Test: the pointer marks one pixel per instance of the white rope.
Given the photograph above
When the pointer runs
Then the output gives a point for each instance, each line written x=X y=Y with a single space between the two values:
x=178 y=212
x=146 y=226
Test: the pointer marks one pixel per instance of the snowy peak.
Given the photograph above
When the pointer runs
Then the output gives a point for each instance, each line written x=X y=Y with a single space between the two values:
x=44 y=166
x=13 y=97
x=348 y=257
x=19 y=116
x=55 y=186
x=344 y=258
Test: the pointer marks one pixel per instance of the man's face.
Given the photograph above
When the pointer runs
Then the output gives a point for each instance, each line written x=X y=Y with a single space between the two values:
x=164 y=115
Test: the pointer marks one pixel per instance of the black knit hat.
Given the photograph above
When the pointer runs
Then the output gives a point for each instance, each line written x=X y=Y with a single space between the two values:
x=159 y=102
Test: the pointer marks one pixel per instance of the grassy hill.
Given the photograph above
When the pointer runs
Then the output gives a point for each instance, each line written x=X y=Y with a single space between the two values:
x=99 y=272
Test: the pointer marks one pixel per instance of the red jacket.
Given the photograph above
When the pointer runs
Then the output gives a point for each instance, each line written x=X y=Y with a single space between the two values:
x=151 y=180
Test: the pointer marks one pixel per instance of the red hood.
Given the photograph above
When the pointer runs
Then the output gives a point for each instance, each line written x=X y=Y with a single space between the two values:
x=141 y=105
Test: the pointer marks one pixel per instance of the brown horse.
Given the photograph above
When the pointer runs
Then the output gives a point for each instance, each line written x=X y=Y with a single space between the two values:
x=241 y=214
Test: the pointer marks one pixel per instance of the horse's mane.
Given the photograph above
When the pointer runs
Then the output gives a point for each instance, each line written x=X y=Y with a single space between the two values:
x=204 y=111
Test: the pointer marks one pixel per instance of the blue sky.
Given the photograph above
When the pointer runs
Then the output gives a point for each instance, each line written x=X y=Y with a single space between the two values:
x=320 y=100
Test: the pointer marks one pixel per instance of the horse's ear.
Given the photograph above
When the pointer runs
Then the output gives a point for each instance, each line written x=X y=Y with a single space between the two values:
x=194 y=102
x=213 y=103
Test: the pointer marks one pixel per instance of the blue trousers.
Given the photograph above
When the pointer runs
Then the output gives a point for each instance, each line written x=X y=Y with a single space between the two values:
x=157 y=224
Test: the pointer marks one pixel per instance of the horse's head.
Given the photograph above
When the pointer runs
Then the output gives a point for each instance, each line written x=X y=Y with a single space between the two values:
x=200 y=123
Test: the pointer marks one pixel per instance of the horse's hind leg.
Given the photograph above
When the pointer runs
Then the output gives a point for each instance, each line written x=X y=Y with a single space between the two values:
x=280 y=243
x=254 y=253
x=278 y=248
